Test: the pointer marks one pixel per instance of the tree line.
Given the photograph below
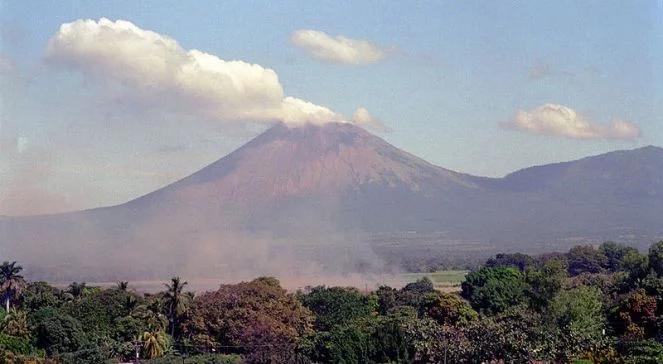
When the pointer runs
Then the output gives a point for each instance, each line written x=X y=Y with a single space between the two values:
x=591 y=304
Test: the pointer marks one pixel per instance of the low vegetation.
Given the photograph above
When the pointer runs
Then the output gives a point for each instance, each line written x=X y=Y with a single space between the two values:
x=592 y=304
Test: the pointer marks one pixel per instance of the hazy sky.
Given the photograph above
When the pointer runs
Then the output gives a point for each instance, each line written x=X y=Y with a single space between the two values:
x=98 y=112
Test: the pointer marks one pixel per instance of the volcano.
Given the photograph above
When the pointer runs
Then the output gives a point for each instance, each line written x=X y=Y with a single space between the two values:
x=334 y=175
x=305 y=196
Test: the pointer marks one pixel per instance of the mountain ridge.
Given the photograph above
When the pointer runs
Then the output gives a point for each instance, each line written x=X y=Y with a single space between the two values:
x=282 y=128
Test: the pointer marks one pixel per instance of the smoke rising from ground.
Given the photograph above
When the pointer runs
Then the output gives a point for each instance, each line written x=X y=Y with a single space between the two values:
x=91 y=246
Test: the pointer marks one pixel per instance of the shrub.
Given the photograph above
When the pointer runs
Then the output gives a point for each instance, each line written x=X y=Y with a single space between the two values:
x=19 y=346
x=642 y=352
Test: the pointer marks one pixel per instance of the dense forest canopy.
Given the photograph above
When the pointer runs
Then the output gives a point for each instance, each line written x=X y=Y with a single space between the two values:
x=591 y=304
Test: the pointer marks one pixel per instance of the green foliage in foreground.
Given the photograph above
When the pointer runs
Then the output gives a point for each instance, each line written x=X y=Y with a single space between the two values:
x=590 y=305
x=493 y=290
x=197 y=359
x=21 y=346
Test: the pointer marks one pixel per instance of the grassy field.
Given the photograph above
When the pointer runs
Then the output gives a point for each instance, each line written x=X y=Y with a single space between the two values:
x=446 y=280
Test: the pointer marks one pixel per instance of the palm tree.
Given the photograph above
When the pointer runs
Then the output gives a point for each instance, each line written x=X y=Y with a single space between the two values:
x=11 y=282
x=130 y=303
x=77 y=289
x=154 y=343
x=150 y=312
x=176 y=301
x=16 y=324
x=122 y=285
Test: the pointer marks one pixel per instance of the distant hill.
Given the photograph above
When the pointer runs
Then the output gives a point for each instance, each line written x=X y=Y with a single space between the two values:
x=335 y=197
x=613 y=195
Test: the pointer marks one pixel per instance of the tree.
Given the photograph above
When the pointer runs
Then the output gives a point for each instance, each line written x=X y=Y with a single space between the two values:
x=615 y=254
x=516 y=260
x=609 y=284
x=12 y=346
x=434 y=343
x=372 y=339
x=545 y=282
x=57 y=332
x=625 y=259
x=517 y=335
x=421 y=286
x=37 y=295
x=176 y=301
x=642 y=352
x=11 y=282
x=258 y=318
x=99 y=310
x=578 y=312
x=493 y=290
x=635 y=316
x=413 y=294
x=334 y=306
x=154 y=344
x=77 y=290
x=447 y=309
x=122 y=285
x=128 y=328
x=150 y=313
x=15 y=324
x=586 y=259
x=654 y=287
x=386 y=299
x=389 y=342
x=635 y=264
x=656 y=258
x=343 y=344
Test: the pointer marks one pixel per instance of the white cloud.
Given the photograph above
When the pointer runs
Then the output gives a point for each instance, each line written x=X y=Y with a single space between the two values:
x=156 y=72
x=559 y=120
x=365 y=119
x=337 y=49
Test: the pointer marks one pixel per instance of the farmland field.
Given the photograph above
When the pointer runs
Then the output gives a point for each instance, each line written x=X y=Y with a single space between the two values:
x=446 y=280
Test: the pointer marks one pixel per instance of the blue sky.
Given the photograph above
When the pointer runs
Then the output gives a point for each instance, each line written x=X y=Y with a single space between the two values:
x=453 y=73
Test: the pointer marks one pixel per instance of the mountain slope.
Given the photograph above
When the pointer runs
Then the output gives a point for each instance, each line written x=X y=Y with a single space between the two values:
x=331 y=175
x=284 y=162
x=635 y=174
